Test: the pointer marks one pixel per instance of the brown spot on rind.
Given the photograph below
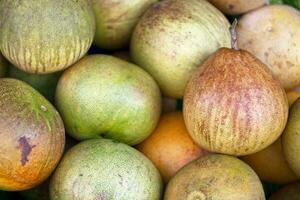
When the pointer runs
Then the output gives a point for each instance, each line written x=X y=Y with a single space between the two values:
x=26 y=149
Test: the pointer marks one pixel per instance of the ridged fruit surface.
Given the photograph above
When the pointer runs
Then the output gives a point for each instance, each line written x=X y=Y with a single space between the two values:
x=234 y=105
x=103 y=169
x=236 y=7
x=272 y=34
x=291 y=138
x=116 y=19
x=32 y=136
x=105 y=96
x=59 y=33
x=288 y=192
x=173 y=37
x=170 y=146
x=215 y=177
x=270 y=164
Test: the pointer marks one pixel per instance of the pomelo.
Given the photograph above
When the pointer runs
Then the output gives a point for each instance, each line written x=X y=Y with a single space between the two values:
x=291 y=138
x=174 y=37
x=170 y=147
x=32 y=136
x=292 y=96
x=103 y=96
x=44 y=36
x=237 y=7
x=104 y=169
x=115 y=21
x=271 y=33
x=234 y=105
x=215 y=177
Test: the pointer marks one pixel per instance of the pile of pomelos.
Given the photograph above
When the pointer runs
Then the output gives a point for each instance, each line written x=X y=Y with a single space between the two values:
x=173 y=101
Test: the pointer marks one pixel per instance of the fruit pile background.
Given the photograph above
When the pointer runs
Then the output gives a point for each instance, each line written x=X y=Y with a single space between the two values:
x=157 y=118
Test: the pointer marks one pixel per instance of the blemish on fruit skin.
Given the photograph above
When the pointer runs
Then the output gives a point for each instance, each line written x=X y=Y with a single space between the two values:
x=26 y=149
x=43 y=108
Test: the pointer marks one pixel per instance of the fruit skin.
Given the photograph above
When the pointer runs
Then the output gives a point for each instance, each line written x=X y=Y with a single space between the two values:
x=292 y=96
x=270 y=164
x=237 y=7
x=170 y=147
x=49 y=45
x=3 y=66
x=44 y=83
x=291 y=138
x=289 y=192
x=32 y=136
x=105 y=96
x=260 y=32
x=234 y=105
x=215 y=177
x=173 y=37
x=105 y=169
x=115 y=21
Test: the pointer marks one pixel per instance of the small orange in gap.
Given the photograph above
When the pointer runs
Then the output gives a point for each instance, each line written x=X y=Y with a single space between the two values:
x=292 y=96
x=170 y=147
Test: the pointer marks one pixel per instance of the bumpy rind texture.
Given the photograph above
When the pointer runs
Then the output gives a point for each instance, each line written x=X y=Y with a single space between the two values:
x=31 y=136
x=173 y=37
x=272 y=34
x=291 y=138
x=115 y=21
x=103 y=169
x=236 y=7
x=234 y=105
x=44 y=36
x=106 y=96
x=215 y=177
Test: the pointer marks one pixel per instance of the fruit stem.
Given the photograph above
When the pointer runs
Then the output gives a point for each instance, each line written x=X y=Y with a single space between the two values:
x=234 y=43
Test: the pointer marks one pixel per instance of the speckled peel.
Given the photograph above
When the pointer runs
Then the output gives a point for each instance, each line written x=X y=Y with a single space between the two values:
x=32 y=136
x=173 y=37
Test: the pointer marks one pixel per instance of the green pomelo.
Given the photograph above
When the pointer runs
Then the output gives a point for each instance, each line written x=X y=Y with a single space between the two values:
x=103 y=169
x=44 y=83
x=215 y=177
x=44 y=36
x=174 y=37
x=32 y=136
x=3 y=66
x=291 y=138
x=289 y=192
x=115 y=21
x=105 y=96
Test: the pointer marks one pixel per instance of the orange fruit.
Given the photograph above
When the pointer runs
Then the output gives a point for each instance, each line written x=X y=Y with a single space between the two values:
x=170 y=147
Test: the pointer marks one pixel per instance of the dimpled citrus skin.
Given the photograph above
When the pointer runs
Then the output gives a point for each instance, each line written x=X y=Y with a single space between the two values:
x=272 y=34
x=32 y=136
x=215 y=177
x=116 y=19
x=44 y=36
x=270 y=164
x=170 y=147
x=236 y=7
x=234 y=105
x=104 y=169
x=105 y=96
x=173 y=37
